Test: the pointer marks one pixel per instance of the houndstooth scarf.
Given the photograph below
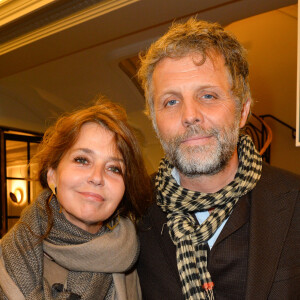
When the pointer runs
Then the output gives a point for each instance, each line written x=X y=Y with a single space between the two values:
x=91 y=258
x=189 y=237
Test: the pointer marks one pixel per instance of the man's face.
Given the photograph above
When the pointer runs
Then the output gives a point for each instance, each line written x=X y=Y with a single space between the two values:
x=196 y=114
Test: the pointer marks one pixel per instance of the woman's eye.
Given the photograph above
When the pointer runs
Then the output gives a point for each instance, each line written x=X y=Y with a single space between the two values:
x=115 y=169
x=171 y=102
x=81 y=160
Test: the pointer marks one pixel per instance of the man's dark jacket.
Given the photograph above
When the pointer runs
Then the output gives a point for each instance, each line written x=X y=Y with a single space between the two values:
x=256 y=256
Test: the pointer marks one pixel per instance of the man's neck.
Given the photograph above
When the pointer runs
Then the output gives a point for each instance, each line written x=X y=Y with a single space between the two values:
x=212 y=183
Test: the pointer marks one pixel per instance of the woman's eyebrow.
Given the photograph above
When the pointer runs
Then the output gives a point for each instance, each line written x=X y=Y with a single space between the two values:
x=116 y=159
x=86 y=150
x=89 y=151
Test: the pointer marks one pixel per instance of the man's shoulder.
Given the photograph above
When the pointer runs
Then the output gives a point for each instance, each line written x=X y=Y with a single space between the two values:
x=153 y=216
x=278 y=178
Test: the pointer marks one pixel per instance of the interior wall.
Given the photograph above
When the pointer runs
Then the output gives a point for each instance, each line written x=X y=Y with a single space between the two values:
x=271 y=41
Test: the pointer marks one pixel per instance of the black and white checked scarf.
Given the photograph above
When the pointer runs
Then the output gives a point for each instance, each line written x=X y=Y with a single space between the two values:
x=189 y=237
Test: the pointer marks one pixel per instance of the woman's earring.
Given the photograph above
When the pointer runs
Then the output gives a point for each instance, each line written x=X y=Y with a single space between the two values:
x=54 y=192
x=53 y=189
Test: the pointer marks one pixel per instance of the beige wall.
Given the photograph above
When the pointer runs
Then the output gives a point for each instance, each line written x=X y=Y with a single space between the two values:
x=271 y=41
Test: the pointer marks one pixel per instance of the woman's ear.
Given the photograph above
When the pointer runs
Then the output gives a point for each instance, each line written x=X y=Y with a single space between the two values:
x=51 y=179
x=245 y=112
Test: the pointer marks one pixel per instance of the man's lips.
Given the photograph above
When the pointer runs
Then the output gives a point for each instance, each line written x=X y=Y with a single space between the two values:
x=197 y=140
x=92 y=196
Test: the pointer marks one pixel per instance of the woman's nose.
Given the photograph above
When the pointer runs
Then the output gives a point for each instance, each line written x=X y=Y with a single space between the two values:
x=96 y=176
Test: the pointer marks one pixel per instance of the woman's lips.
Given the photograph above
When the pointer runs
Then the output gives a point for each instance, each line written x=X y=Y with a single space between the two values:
x=92 y=196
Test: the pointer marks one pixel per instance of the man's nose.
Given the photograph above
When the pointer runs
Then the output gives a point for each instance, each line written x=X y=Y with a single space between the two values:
x=191 y=113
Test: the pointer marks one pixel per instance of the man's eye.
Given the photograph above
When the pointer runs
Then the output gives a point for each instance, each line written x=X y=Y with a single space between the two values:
x=208 y=96
x=171 y=102
x=81 y=160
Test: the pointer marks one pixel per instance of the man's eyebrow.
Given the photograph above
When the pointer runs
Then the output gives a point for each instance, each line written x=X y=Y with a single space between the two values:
x=173 y=91
x=168 y=92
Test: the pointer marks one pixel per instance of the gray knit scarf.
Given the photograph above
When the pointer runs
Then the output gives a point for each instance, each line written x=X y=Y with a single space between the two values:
x=188 y=236
x=91 y=258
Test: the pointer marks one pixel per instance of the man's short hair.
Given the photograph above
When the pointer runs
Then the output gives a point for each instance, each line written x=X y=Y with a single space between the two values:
x=201 y=37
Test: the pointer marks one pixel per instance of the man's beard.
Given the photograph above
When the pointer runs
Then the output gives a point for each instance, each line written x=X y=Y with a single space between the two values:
x=196 y=160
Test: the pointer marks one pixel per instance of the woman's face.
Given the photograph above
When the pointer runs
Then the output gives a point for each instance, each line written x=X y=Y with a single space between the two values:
x=89 y=178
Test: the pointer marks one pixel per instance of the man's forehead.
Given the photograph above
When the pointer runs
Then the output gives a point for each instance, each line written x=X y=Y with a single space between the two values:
x=211 y=57
x=190 y=62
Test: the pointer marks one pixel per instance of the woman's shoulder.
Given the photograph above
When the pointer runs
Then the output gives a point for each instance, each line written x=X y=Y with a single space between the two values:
x=8 y=288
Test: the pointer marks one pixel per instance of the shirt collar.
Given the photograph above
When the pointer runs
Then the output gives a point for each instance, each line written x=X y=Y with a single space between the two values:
x=175 y=175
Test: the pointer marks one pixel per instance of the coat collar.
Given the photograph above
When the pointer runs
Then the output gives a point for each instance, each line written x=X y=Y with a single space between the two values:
x=272 y=206
x=240 y=215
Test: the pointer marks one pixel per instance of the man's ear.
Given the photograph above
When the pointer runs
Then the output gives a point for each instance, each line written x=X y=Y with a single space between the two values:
x=51 y=179
x=245 y=112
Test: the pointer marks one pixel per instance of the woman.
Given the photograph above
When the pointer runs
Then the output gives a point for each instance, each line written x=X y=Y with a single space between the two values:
x=77 y=240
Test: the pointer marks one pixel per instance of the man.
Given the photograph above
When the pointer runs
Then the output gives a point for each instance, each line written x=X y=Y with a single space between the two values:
x=224 y=225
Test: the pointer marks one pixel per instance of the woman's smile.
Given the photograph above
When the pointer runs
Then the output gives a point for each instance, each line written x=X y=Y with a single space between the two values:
x=89 y=178
x=92 y=196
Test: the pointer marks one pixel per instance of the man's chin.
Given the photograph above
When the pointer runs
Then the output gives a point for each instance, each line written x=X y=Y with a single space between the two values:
x=193 y=171
x=198 y=164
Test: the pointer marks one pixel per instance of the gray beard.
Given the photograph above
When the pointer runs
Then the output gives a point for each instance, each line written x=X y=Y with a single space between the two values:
x=194 y=161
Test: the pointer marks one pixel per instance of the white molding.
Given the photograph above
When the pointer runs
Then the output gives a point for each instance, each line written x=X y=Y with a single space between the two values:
x=12 y=10
x=82 y=16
